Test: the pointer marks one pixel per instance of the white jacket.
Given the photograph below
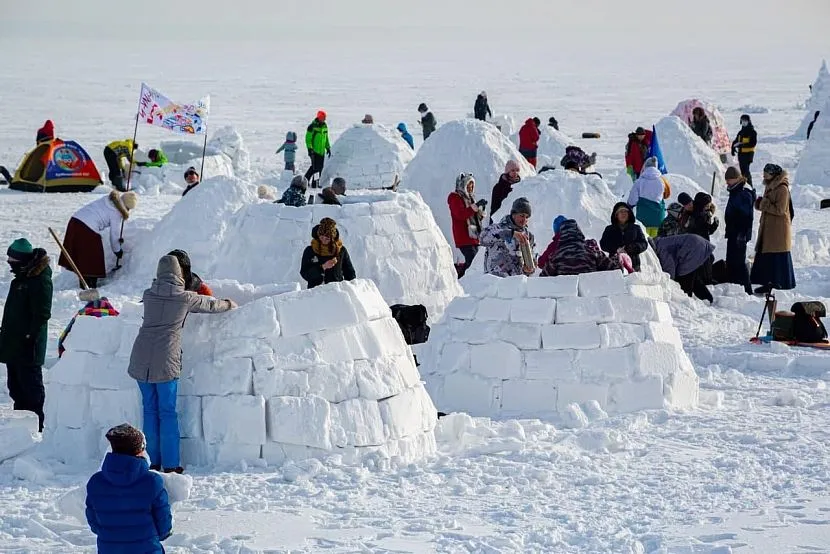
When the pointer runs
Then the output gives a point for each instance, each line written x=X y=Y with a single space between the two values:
x=105 y=212
x=649 y=186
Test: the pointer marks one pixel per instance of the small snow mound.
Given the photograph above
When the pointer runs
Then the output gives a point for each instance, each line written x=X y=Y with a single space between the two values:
x=169 y=179
x=813 y=168
x=462 y=146
x=506 y=124
x=752 y=109
x=552 y=145
x=368 y=157
x=306 y=374
x=811 y=247
x=685 y=154
x=819 y=97
x=792 y=398
x=228 y=141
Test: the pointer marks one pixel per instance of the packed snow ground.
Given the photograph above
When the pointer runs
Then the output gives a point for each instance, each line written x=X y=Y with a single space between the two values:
x=747 y=471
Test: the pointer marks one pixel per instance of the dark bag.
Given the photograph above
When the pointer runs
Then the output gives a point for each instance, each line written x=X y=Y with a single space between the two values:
x=413 y=322
x=781 y=327
x=807 y=325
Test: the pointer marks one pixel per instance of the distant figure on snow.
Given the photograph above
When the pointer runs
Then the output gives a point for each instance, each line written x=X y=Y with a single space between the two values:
x=405 y=135
x=647 y=197
x=326 y=260
x=467 y=216
x=481 y=109
x=773 y=265
x=294 y=195
x=504 y=187
x=738 y=217
x=700 y=125
x=157 y=159
x=744 y=146
x=118 y=155
x=428 y=122
x=368 y=119
x=553 y=123
x=191 y=177
x=504 y=242
x=684 y=258
x=572 y=254
x=624 y=235
x=809 y=127
x=47 y=132
x=636 y=151
x=317 y=142
x=578 y=156
x=529 y=140
x=289 y=147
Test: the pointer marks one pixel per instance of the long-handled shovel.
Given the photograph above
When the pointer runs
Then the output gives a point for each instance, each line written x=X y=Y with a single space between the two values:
x=87 y=294
x=121 y=245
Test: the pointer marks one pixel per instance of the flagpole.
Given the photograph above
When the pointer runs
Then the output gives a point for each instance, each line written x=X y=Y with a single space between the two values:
x=204 y=150
x=132 y=154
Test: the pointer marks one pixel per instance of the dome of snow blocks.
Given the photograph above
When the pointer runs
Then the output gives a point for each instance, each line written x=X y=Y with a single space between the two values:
x=819 y=97
x=296 y=375
x=813 y=167
x=462 y=146
x=556 y=342
x=685 y=154
x=368 y=157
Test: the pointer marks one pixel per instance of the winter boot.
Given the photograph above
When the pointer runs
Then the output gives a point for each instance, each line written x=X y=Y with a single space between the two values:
x=155 y=467
x=178 y=470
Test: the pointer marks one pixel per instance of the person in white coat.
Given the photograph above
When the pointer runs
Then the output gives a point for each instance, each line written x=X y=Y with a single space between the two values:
x=84 y=240
x=647 y=197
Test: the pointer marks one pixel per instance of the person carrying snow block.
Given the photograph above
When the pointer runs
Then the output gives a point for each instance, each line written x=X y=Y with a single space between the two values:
x=636 y=152
x=127 y=506
x=428 y=122
x=25 y=326
x=326 y=260
x=405 y=135
x=294 y=195
x=684 y=258
x=738 y=217
x=647 y=195
x=317 y=142
x=504 y=187
x=156 y=358
x=529 y=140
x=506 y=240
x=290 y=149
x=83 y=239
x=481 y=109
x=744 y=146
x=624 y=235
x=47 y=132
x=572 y=254
x=119 y=154
x=157 y=159
x=466 y=215
x=191 y=177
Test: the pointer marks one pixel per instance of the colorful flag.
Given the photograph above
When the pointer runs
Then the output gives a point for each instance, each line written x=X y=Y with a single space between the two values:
x=185 y=119
x=654 y=150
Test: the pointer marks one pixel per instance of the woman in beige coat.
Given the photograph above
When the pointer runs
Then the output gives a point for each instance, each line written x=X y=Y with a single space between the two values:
x=773 y=265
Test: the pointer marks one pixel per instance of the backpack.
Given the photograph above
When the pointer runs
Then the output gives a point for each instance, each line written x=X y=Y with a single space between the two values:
x=807 y=325
x=413 y=322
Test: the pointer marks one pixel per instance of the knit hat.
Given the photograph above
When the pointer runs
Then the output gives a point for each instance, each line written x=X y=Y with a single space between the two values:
x=126 y=439
x=299 y=182
x=745 y=117
x=327 y=227
x=511 y=165
x=773 y=170
x=557 y=223
x=189 y=170
x=49 y=127
x=651 y=162
x=368 y=119
x=20 y=250
x=338 y=185
x=321 y=115
x=422 y=108
x=684 y=199
x=639 y=131
x=732 y=173
x=521 y=206
x=129 y=199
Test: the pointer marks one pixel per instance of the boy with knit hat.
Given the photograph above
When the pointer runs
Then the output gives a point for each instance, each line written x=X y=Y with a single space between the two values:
x=505 y=241
x=126 y=504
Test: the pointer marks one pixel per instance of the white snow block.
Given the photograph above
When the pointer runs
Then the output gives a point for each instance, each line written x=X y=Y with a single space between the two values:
x=129 y=332
x=303 y=421
x=631 y=309
x=463 y=307
x=108 y=408
x=602 y=283
x=385 y=377
x=408 y=413
x=111 y=374
x=474 y=332
x=644 y=393
x=657 y=358
x=279 y=382
x=532 y=310
x=238 y=419
x=66 y=407
x=97 y=335
x=357 y=422
x=26 y=468
x=663 y=332
x=232 y=348
x=334 y=382
x=562 y=286
x=682 y=390
x=228 y=376
x=72 y=446
x=375 y=339
x=493 y=309
x=295 y=353
x=197 y=452
x=412 y=449
x=525 y=396
x=366 y=299
x=481 y=286
x=606 y=365
x=277 y=454
x=74 y=368
x=498 y=359
x=465 y=392
x=257 y=319
x=524 y=336
x=326 y=307
x=652 y=292
x=571 y=393
x=14 y=441
x=567 y=336
x=189 y=409
x=616 y=335
x=552 y=365
x=455 y=356
x=512 y=287
x=584 y=310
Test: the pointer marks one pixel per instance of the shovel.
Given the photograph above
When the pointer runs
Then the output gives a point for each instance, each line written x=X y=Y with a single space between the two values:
x=87 y=294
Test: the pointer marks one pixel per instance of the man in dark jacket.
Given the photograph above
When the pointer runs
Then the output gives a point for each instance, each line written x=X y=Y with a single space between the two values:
x=505 y=186
x=744 y=146
x=126 y=504
x=624 y=235
x=326 y=260
x=428 y=122
x=482 y=107
x=738 y=217
x=24 y=331
x=700 y=125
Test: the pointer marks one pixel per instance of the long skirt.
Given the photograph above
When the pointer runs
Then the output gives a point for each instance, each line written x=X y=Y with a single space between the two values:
x=86 y=248
x=773 y=269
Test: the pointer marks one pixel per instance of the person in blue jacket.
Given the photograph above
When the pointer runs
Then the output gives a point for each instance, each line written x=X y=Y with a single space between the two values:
x=738 y=217
x=405 y=135
x=126 y=504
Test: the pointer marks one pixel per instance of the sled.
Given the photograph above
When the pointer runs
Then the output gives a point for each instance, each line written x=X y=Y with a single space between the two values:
x=825 y=203
x=590 y=135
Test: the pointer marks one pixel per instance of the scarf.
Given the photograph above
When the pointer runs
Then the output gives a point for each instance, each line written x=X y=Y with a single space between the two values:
x=327 y=227
x=474 y=221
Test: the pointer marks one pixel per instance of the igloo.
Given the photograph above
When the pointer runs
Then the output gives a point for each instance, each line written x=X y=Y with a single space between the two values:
x=813 y=168
x=462 y=146
x=721 y=142
x=286 y=377
x=391 y=237
x=368 y=157
x=685 y=154
x=552 y=145
x=536 y=347
x=819 y=97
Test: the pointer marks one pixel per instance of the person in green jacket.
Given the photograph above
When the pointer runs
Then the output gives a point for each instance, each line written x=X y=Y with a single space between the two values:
x=317 y=142
x=24 y=330
x=157 y=159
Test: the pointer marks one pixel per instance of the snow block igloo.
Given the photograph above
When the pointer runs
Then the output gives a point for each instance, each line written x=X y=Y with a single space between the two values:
x=813 y=167
x=293 y=376
x=534 y=347
x=686 y=154
x=819 y=96
x=552 y=145
x=462 y=146
x=368 y=157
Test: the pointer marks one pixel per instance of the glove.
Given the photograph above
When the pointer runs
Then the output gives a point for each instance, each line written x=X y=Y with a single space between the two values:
x=119 y=254
x=482 y=203
x=328 y=153
x=120 y=241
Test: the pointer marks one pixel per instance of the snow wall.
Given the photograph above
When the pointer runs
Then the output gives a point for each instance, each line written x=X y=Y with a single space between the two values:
x=686 y=154
x=552 y=145
x=368 y=157
x=288 y=377
x=817 y=101
x=551 y=347
x=169 y=179
x=462 y=146
x=814 y=165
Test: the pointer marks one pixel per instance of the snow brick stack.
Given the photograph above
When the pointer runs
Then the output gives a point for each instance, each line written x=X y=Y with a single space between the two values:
x=685 y=154
x=552 y=145
x=553 y=347
x=368 y=157
x=813 y=167
x=289 y=377
x=462 y=146
x=819 y=97
x=169 y=179
x=228 y=141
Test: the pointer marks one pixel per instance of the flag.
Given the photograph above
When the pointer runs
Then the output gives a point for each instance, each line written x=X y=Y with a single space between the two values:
x=654 y=150
x=185 y=119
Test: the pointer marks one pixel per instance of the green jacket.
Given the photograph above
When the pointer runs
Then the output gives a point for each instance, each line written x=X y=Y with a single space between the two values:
x=24 y=331
x=162 y=159
x=317 y=137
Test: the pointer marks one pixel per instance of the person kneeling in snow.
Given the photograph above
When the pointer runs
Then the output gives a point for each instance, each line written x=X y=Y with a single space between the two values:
x=624 y=235
x=504 y=242
x=157 y=159
x=326 y=260
x=571 y=254
x=156 y=358
x=294 y=195
x=126 y=504
x=684 y=258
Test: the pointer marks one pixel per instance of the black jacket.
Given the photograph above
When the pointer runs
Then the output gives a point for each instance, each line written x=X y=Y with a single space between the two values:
x=482 y=108
x=745 y=141
x=501 y=190
x=739 y=212
x=428 y=124
x=702 y=222
x=26 y=314
x=311 y=267
x=702 y=128
x=630 y=238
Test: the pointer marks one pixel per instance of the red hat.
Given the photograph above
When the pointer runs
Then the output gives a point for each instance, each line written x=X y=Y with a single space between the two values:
x=49 y=126
x=321 y=115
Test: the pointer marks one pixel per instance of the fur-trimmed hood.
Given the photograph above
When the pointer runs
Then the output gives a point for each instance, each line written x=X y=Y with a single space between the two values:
x=38 y=264
x=115 y=198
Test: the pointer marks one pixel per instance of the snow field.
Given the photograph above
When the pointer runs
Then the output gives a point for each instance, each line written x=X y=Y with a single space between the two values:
x=368 y=157
x=292 y=376
x=544 y=347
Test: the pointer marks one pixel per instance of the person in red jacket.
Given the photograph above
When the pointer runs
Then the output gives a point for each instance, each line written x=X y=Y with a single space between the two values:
x=45 y=133
x=636 y=152
x=529 y=139
x=467 y=215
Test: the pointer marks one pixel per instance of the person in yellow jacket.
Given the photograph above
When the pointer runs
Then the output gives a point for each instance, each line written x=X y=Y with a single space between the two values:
x=744 y=147
x=317 y=142
x=117 y=154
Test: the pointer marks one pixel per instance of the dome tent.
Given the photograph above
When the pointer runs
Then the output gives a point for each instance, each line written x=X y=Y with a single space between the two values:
x=819 y=97
x=56 y=166
x=368 y=156
x=721 y=142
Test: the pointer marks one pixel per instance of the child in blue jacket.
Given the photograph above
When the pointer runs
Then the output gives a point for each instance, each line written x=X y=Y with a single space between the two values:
x=126 y=503
x=405 y=135
x=290 y=149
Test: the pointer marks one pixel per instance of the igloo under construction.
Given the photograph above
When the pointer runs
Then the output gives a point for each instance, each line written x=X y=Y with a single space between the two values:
x=293 y=376
x=685 y=154
x=813 y=168
x=819 y=97
x=368 y=156
x=558 y=348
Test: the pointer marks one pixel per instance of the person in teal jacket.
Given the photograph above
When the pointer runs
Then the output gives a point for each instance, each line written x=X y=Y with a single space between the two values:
x=405 y=135
x=317 y=142
x=157 y=159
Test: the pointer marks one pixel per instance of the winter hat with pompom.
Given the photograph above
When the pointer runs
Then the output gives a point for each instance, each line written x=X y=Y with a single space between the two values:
x=126 y=439
x=130 y=200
